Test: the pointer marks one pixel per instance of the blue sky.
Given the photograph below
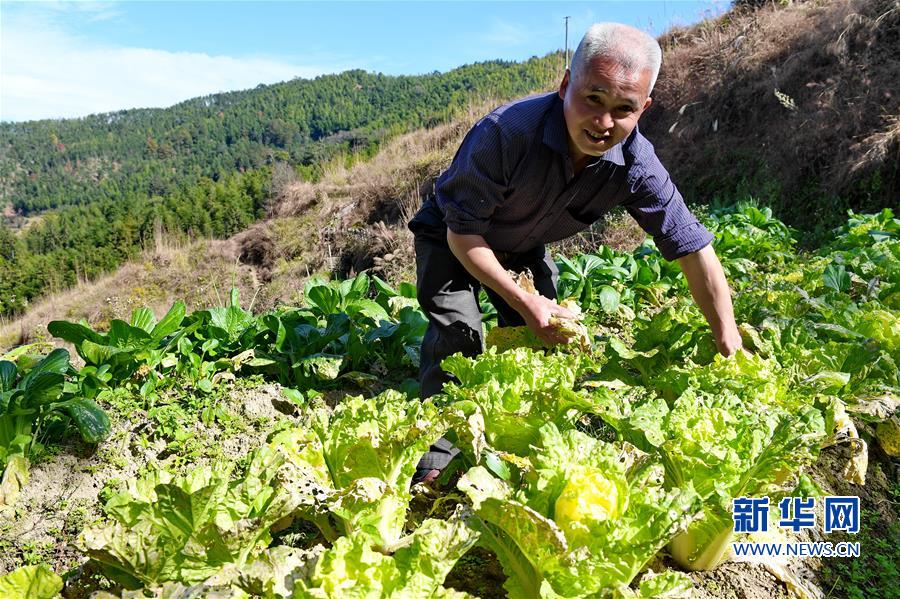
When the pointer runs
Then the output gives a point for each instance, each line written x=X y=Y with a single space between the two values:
x=68 y=59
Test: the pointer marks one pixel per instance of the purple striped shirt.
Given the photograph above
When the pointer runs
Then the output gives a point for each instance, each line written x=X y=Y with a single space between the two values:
x=512 y=182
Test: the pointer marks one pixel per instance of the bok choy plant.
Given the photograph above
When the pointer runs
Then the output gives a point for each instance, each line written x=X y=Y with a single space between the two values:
x=112 y=358
x=31 y=401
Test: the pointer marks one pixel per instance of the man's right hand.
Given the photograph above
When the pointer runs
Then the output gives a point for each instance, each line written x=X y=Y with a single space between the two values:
x=537 y=311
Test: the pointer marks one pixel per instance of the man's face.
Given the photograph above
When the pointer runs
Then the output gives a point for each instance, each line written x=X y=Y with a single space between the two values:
x=602 y=105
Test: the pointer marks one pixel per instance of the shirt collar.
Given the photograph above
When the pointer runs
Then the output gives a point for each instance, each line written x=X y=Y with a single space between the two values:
x=556 y=136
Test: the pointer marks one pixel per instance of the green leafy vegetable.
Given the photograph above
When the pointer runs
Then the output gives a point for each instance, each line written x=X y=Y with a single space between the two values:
x=361 y=458
x=585 y=520
x=352 y=569
x=517 y=392
x=31 y=582
x=29 y=399
x=185 y=529
x=722 y=447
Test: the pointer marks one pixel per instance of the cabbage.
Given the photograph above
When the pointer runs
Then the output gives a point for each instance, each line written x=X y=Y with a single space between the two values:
x=31 y=582
x=352 y=569
x=517 y=392
x=589 y=495
x=585 y=520
x=360 y=460
x=163 y=528
x=722 y=447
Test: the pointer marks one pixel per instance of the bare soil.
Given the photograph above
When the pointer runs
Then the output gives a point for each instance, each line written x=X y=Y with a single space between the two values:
x=64 y=491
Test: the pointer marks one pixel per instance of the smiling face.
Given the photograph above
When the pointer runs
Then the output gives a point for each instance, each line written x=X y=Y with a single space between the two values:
x=602 y=105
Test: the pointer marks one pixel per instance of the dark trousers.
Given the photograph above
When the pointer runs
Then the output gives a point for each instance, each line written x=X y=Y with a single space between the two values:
x=448 y=295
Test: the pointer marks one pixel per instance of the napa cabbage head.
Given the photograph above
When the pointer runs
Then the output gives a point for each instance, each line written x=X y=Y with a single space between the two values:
x=31 y=582
x=743 y=377
x=351 y=567
x=590 y=495
x=162 y=528
x=884 y=327
x=585 y=519
x=723 y=448
x=363 y=455
x=516 y=392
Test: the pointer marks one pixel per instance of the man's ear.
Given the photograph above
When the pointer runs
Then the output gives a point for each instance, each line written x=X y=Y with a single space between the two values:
x=564 y=85
x=647 y=103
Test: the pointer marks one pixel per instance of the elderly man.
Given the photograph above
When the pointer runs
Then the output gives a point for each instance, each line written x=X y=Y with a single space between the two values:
x=538 y=170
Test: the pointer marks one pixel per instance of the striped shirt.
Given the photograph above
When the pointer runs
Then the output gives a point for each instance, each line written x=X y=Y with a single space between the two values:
x=513 y=183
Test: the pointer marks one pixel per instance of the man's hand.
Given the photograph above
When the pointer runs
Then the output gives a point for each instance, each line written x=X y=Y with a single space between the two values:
x=537 y=311
x=730 y=343
x=710 y=291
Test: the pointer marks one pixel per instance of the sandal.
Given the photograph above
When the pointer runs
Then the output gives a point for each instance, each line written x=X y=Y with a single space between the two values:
x=425 y=475
x=435 y=461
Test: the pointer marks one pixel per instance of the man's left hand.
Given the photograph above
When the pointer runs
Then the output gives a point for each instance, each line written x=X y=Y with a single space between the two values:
x=710 y=291
x=729 y=343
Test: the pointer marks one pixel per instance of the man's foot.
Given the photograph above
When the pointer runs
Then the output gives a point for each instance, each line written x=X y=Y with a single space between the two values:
x=435 y=461
x=425 y=475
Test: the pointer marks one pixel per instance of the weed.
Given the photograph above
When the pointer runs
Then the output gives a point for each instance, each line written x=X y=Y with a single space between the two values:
x=110 y=453
x=36 y=552
x=874 y=574
x=76 y=517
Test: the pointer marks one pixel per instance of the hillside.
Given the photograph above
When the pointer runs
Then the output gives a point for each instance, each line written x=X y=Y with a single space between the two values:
x=718 y=83
x=794 y=105
x=81 y=196
x=53 y=163
x=352 y=218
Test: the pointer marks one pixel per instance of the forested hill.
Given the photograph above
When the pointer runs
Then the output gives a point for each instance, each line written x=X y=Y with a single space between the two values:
x=112 y=181
x=52 y=163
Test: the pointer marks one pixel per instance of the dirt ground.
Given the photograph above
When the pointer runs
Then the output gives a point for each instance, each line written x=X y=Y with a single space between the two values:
x=65 y=491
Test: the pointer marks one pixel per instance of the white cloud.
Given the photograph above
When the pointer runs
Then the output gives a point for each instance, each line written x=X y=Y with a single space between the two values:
x=504 y=33
x=47 y=72
x=91 y=11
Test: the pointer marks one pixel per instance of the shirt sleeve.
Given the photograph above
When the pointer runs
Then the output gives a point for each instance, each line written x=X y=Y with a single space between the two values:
x=657 y=206
x=469 y=191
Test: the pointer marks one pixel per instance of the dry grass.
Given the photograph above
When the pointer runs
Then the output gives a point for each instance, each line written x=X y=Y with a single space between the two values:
x=403 y=165
x=200 y=273
x=616 y=230
x=802 y=96
x=878 y=147
x=354 y=218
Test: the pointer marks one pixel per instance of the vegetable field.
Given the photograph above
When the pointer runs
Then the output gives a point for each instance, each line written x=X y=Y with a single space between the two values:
x=604 y=468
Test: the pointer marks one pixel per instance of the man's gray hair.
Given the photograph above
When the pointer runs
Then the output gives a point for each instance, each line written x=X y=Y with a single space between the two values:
x=632 y=49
